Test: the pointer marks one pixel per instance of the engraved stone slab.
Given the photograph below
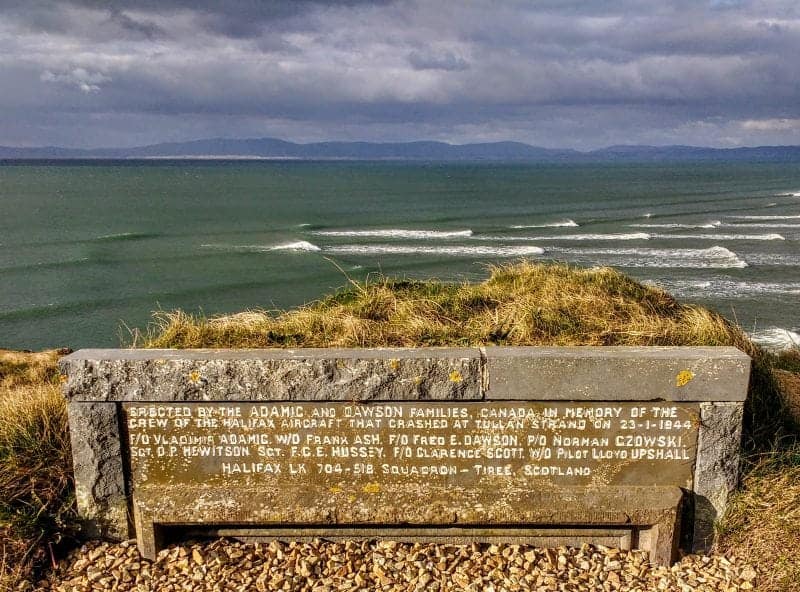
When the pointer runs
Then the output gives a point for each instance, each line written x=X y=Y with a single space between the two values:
x=348 y=447
x=598 y=440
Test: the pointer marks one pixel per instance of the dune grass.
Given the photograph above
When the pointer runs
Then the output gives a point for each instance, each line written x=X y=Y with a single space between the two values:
x=36 y=509
x=762 y=522
x=519 y=304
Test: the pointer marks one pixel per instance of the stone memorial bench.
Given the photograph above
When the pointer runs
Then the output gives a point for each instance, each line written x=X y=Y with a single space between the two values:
x=625 y=447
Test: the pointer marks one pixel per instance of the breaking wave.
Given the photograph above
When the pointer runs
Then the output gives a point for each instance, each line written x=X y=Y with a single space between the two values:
x=765 y=217
x=789 y=225
x=397 y=233
x=752 y=237
x=573 y=237
x=776 y=339
x=565 y=224
x=124 y=236
x=456 y=251
x=711 y=258
x=725 y=288
x=293 y=246
x=713 y=224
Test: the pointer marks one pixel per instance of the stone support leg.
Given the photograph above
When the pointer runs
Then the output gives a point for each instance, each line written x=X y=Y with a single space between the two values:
x=98 y=467
x=717 y=469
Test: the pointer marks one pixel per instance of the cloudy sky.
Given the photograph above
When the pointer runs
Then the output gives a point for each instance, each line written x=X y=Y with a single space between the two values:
x=555 y=73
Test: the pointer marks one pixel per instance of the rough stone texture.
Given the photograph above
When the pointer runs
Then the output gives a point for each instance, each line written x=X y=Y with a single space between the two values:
x=98 y=470
x=272 y=375
x=717 y=467
x=616 y=373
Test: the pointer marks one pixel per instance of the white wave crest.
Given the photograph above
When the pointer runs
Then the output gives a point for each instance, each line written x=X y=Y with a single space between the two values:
x=789 y=194
x=752 y=237
x=727 y=288
x=757 y=225
x=293 y=246
x=565 y=224
x=397 y=233
x=771 y=217
x=713 y=224
x=455 y=251
x=712 y=258
x=776 y=339
x=296 y=246
x=573 y=237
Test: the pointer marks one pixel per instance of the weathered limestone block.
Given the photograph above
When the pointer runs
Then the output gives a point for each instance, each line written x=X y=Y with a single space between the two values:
x=616 y=373
x=717 y=467
x=273 y=375
x=493 y=440
x=98 y=469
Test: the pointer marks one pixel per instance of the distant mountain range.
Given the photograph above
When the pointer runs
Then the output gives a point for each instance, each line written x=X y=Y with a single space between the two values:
x=272 y=148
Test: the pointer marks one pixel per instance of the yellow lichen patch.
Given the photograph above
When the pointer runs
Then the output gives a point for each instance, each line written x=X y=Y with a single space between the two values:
x=371 y=488
x=194 y=376
x=62 y=378
x=684 y=377
x=394 y=364
x=455 y=376
x=336 y=489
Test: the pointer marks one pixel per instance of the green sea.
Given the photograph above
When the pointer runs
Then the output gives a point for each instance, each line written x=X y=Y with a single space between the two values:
x=89 y=249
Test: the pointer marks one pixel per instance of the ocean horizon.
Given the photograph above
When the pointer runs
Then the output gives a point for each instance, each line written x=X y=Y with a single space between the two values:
x=90 y=249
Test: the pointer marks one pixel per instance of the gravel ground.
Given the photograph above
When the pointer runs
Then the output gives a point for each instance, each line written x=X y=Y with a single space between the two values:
x=322 y=566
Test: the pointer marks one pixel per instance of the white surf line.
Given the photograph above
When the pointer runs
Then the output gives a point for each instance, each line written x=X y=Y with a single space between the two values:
x=752 y=237
x=776 y=338
x=770 y=217
x=292 y=246
x=569 y=237
x=469 y=251
x=565 y=224
x=713 y=224
x=762 y=225
x=727 y=288
x=710 y=258
x=396 y=233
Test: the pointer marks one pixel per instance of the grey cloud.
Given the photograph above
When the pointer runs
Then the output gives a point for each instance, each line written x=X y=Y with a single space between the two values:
x=437 y=61
x=559 y=73
x=146 y=29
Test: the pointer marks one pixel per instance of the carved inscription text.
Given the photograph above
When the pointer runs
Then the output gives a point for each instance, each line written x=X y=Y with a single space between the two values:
x=558 y=444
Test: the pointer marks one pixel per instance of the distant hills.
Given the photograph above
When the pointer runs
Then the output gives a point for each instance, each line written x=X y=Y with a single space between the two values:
x=273 y=148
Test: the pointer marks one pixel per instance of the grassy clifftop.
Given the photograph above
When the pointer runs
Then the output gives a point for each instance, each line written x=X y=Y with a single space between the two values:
x=521 y=304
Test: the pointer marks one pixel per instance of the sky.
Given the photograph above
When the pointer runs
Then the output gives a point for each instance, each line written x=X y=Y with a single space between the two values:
x=555 y=73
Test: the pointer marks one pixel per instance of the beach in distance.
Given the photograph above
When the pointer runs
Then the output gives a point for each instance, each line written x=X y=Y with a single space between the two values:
x=90 y=247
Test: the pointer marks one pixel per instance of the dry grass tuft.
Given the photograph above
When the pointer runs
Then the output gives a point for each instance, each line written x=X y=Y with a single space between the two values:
x=36 y=509
x=520 y=304
x=763 y=521
x=28 y=368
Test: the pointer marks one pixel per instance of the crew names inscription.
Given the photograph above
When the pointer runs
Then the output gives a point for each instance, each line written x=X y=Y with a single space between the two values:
x=563 y=444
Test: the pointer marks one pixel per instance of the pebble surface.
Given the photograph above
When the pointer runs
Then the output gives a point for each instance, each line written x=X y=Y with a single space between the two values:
x=323 y=566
